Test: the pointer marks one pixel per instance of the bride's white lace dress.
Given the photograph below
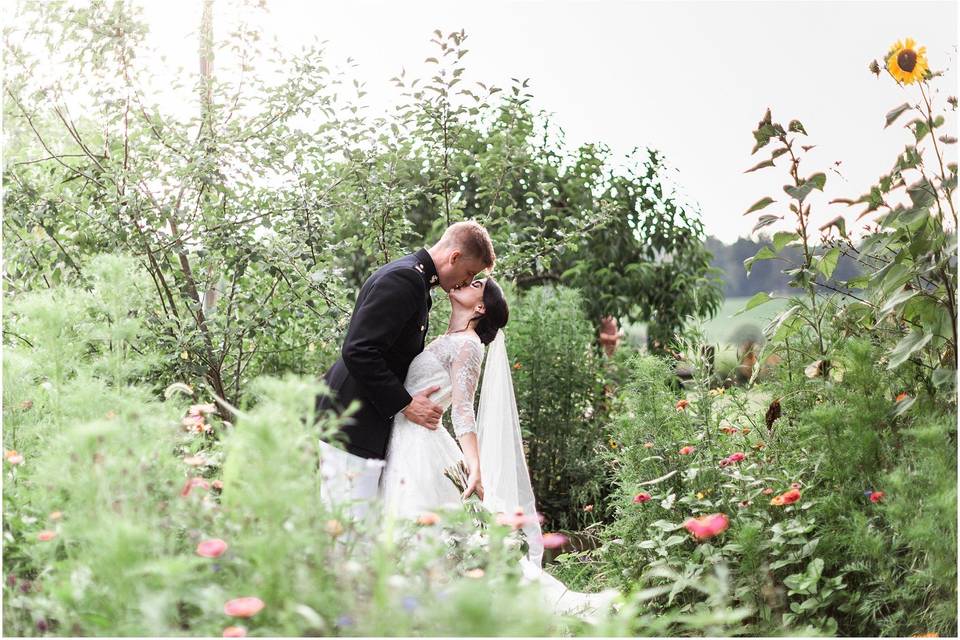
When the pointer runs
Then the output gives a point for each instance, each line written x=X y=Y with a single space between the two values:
x=413 y=481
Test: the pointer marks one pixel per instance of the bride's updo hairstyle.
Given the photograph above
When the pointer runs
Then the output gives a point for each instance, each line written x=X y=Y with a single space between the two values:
x=496 y=312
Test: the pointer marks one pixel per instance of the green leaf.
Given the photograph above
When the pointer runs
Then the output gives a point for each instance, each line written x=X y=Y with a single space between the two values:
x=911 y=343
x=765 y=163
x=818 y=180
x=944 y=378
x=759 y=204
x=796 y=127
x=837 y=222
x=828 y=262
x=800 y=192
x=897 y=299
x=783 y=238
x=765 y=221
x=765 y=253
x=920 y=129
x=758 y=299
x=893 y=114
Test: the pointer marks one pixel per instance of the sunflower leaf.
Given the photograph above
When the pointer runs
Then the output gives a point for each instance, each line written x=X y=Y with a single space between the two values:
x=893 y=114
x=760 y=204
x=796 y=127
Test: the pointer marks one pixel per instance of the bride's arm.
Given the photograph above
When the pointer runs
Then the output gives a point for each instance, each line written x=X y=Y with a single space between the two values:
x=464 y=376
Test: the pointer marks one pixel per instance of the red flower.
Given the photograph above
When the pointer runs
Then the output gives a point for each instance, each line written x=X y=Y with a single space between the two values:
x=243 y=607
x=901 y=397
x=554 y=540
x=640 y=498
x=707 y=526
x=788 y=497
x=876 y=496
x=682 y=404
x=687 y=450
x=191 y=483
x=736 y=457
x=234 y=632
x=47 y=535
x=211 y=548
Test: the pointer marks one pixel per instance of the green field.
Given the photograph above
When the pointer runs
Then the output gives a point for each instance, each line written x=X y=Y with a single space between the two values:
x=722 y=328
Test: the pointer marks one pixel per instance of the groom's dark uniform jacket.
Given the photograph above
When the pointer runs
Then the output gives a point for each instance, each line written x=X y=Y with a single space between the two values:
x=387 y=331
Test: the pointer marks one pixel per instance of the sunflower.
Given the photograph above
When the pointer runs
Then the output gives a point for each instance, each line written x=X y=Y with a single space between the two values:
x=906 y=63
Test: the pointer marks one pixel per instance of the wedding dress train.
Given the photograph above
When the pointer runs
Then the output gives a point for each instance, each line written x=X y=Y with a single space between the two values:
x=413 y=481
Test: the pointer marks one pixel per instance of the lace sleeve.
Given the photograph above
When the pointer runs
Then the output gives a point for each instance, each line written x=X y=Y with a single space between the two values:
x=464 y=375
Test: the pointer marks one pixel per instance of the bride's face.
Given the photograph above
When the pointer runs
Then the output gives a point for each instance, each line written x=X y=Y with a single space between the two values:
x=469 y=296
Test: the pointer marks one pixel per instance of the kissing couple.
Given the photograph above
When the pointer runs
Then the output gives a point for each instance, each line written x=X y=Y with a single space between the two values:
x=396 y=450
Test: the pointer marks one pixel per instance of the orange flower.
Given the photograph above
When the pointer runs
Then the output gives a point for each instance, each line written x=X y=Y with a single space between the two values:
x=901 y=397
x=47 y=535
x=707 y=526
x=727 y=429
x=213 y=548
x=334 y=528
x=56 y=515
x=14 y=459
x=235 y=632
x=745 y=430
x=517 y=366
x=687 y=450
x=243 y=607
x=428 y=519
x=682 y=404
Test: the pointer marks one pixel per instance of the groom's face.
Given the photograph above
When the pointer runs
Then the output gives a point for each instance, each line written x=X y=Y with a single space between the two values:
x=459 y=270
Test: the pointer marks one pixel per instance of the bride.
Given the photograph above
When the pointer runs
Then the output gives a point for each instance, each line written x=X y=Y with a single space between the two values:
x=491 y=448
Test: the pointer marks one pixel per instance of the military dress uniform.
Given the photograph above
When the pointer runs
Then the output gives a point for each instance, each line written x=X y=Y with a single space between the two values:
x=387 y=331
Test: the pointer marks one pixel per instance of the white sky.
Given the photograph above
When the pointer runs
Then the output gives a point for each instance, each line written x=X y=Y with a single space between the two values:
x=689 y=78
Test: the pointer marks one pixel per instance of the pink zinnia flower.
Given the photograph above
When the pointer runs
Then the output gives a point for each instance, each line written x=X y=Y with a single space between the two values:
x=191 y=483
x=687 y=450
x=47 y=535
x=213 y=548
x=877 y=496
x=736 y=457
x=235 y=632
x=554 y=540
x=641 y=497
x=707 y=526
x=243 y=607
x=794 y=485
x=767 y=491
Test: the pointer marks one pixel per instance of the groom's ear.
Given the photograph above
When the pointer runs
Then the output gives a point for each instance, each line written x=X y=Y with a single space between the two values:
x=455 y=255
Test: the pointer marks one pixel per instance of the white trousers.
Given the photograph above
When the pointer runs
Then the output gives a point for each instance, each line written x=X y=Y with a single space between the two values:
x=349 y=484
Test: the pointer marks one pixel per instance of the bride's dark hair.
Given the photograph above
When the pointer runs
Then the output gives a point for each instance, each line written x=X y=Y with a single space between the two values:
x=496 y=312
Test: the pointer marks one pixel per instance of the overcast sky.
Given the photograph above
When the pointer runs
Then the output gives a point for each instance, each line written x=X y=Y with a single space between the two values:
x=689 y=78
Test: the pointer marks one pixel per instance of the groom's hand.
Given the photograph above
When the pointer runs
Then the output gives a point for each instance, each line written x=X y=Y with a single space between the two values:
x=422 y=411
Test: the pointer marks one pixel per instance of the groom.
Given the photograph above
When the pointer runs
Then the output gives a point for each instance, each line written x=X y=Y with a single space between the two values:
x=387 y=331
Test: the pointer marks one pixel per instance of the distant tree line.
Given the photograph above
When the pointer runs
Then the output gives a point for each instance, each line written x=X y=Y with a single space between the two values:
x=765 y=275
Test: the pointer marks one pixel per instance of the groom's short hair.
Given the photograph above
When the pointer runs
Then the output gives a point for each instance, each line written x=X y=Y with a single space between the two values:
x=472 y=239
